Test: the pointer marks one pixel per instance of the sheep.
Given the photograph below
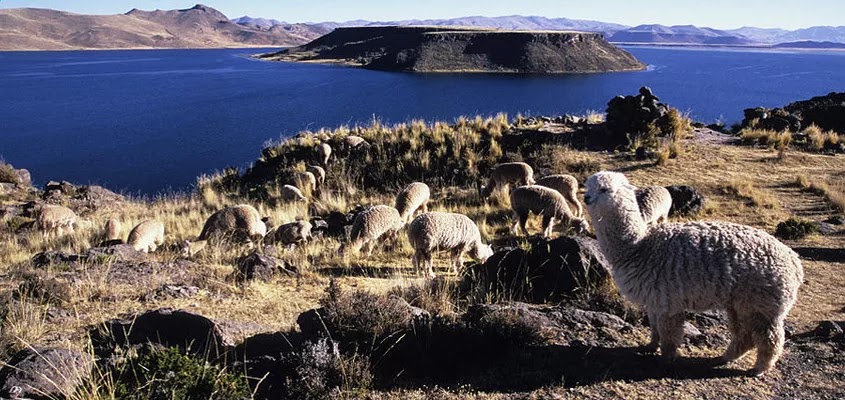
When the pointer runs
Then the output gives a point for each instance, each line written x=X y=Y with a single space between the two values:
x=453 y=232
x=414 y=197
x=677 y=267
x=324 y=152
x=113 y=230
x=370 y=225
x=353 y=141
x=305 y=181
x=56 y=219
x=567 y=185
x=292 y=233
x=291 y=193
x=546 y=202
x=242 y=220
x=189 y=248
x=319 y=173
x=146 y=236
x=655 y=203
x=518 y=173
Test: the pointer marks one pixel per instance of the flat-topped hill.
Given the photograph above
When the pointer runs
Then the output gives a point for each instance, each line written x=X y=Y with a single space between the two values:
x=461 y=49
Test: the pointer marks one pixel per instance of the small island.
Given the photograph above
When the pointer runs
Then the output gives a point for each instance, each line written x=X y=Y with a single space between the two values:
x=459 y=49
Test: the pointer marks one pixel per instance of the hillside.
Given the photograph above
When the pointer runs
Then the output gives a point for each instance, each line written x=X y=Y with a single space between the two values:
x=197 y=27
x=451 y=49
x=687 y=34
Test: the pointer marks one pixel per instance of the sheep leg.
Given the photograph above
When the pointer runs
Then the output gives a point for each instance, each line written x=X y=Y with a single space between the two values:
x=429 y=266
x=741 y=340
x=548 y=224
x=415 y=261
x=654 y=344
x=768 y=336
x=671 y=331
x=456 y=259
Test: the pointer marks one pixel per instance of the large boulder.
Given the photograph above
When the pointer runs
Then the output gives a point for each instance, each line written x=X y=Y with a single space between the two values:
x=82 y=199
x=828 y=112
x=548 y=270
x=630 y=116
x=38 y=373
x=262 y=267
x=686 y=200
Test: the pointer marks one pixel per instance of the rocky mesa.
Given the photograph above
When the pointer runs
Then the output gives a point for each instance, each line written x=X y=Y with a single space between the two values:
x=459 y=49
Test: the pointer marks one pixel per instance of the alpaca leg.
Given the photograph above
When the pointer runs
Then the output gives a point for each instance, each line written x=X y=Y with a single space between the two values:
x=415 y=262
x=429 y=266
x=456 y=259
x=769 y=338
x=654 y=344
x=671 y=331
x=523 y=219
x=741 y=341
x=548 y=225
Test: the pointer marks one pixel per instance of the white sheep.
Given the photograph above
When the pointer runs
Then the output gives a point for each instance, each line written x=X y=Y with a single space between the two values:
x=305 y=181
x=456 y=233
x=697 y=266
x=241 y=220
x=567 y=185
x=516 y=173
x=370 y=225
x=53 y=219
x=146 y=236
x=414 y=197
x=292 y=232
x=353 y=141
x=655 y=203
x=291 y=193
x=319 y=173
x=324 y=152
x=543 y=201
x=113 y=229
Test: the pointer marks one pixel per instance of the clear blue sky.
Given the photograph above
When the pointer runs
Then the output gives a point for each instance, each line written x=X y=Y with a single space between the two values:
x=722 y=14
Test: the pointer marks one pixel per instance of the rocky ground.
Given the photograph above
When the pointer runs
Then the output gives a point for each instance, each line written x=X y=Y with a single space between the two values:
x=85 y=319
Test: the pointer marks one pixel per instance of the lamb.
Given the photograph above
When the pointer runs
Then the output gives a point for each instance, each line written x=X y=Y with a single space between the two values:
x=56 y=219
x=567 y=185
x=305 y=181
x=453 y=232
x=292 y=233
x=324 y=152
x=146 y=236
x=370 y=225
x=655 y=203
x=411 y=199
x=318 y=173
x=241 y=220
x=113 y=230
x=696 y=266
x=546 y=202
x=291 y=193
x=518 y=173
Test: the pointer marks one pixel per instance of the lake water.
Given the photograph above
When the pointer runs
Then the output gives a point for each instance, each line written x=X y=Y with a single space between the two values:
x=146 y=122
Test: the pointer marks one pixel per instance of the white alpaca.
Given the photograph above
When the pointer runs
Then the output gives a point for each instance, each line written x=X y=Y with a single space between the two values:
x=671 y=268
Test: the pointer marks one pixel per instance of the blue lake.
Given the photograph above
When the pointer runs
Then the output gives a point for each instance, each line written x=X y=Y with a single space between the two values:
x=147 y=122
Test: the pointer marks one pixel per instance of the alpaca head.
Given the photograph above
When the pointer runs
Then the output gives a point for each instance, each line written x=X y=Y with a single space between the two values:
x=482 y=252
x=609 y=193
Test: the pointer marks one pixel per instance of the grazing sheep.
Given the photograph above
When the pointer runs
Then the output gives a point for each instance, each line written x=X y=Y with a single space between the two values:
x=370 y=225
x=113 y=230
x=53 y=219
x=655 y=203
x=319 y=173
x=456 y=233
x=191 y=248
x=324 y=152
x=411 y=199
x=291 y=233
x=353 y=141
x=305 y=181
x=146 y=236
x=291 y=193
x=517 y=173
x=241 y=220
x=697 y=266
x=567 y=185
x=546 y=202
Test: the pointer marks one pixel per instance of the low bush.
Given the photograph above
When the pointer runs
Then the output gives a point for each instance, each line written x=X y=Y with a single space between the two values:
x=794 y=229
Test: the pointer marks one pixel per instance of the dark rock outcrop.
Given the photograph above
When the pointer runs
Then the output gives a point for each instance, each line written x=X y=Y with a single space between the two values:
x=454 y=49
x=827 y=112
x=259 y=266
x=40 y=373
x=641 y=115
x=686 y=200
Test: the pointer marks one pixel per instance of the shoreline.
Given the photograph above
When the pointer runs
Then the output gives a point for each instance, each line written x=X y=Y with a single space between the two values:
x=142 y=48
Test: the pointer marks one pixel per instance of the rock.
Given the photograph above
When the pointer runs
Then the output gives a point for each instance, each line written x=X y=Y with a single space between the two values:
x=691 y=332
x=47 y=258
x=44 y=373
x=828 y=112
x=827 y=229
x=272 y=344
x=260 y=266
x=291 y=233
x=313 y=323
x=24 y=178
x=686 y=200
x=167 y=291
x=116 y=253
x=190 y=332
x=836 y=220
x=830 y=331
x=548 y=271
x=634 y=116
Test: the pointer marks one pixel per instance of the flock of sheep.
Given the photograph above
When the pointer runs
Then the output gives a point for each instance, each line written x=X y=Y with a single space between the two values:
x=668 y=268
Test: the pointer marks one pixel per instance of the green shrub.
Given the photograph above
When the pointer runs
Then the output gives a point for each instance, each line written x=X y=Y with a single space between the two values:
x=794 y=228
x=169 y=374
x=320 y=370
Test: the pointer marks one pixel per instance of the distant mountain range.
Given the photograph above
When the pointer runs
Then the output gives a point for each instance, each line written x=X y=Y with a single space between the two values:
x=196 y=27
x=203 y=26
